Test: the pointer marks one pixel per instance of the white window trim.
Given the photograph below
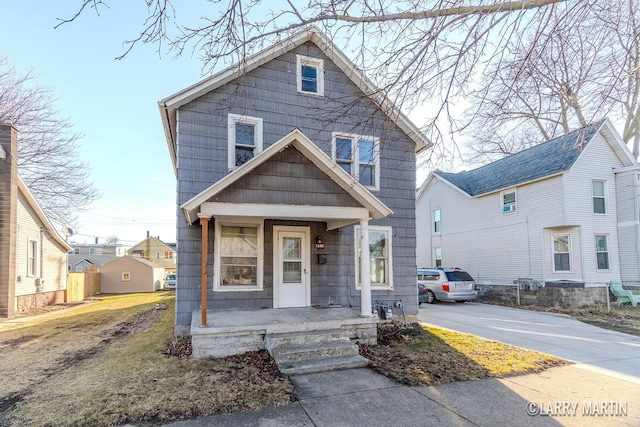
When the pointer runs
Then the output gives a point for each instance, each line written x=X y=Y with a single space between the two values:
x=433 y=221
x=514 y=206
x=32 y=250
x=314 y=62
x=605 y=196
x=388 y=229
x=217 y=287
x=553 y=261
x=595 y=236
x=231 y=136
x=128 y=276
x=355 y=152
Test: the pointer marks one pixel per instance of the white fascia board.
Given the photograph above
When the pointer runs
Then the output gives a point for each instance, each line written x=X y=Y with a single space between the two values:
x=618 y=145
x=310 y=213
x=41 y=215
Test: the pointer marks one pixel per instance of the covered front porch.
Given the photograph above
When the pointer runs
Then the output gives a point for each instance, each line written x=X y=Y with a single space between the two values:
x=231 y=332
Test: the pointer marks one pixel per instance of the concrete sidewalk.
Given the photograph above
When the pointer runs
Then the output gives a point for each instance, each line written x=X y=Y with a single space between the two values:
x=360 y=397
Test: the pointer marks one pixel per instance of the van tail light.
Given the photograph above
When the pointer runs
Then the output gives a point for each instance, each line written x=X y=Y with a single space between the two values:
x=445 y=286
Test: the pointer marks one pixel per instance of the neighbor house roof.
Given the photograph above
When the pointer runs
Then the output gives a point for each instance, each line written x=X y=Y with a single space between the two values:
x=169 y=106
x=311 y=151
x=541 y=161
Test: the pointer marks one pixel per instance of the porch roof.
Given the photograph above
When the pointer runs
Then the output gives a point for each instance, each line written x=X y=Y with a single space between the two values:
x=335 y=216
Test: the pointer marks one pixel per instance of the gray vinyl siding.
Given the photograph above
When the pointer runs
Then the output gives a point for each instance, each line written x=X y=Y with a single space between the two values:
x=270 y=92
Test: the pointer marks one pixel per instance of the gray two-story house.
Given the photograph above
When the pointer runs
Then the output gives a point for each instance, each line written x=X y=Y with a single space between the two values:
x=287 y=165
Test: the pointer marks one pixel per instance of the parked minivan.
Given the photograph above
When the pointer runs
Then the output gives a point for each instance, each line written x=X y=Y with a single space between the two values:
x=445 y=284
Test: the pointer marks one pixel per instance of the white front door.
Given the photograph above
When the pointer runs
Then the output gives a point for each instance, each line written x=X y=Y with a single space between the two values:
x=291 y=286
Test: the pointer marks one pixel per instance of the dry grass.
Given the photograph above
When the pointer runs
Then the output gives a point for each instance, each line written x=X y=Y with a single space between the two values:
x=105 y=365
x=420 y=355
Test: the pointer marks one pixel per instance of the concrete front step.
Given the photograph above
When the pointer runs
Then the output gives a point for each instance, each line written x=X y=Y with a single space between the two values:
x=322 y=365
x=315 y=351
x=298 y=339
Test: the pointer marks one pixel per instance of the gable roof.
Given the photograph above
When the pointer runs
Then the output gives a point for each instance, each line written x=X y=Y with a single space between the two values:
x=22 y=187
x=311 y=151
x=169 y=106
x=136 y=259
x=135 y=248
x=541 y=161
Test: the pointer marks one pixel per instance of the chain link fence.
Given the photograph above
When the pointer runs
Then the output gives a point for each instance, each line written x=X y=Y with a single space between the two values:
x=605 y=297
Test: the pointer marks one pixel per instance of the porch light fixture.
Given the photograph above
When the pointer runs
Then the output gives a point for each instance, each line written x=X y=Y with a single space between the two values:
x=319 y=243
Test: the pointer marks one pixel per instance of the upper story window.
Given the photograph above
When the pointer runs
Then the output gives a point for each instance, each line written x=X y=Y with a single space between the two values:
x=598 y=189
x=168 y=254
x=436 y=221
x=358 y=155
x=508 y=201
x=76 y=251
x=379 y=257
x=95 y=251
x=157 y=255
x=561 y=252
x=310 y=75
x=244 y=139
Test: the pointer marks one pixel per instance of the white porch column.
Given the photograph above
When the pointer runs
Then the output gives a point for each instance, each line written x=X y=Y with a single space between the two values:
x=365 y=269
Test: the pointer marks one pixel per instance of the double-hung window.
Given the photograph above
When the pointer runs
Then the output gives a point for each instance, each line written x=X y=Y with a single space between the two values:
x=310 y=75
x=602 y=251
x=599 y=196
x=561 y=252
x=359 y=156
x=381 y=271
x=32 y=258
x=436 y=221
x=244 y=139
x=239 y=254
x=508 y=201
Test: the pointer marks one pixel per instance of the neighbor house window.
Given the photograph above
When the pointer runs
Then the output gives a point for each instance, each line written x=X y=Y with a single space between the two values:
x=358 y=156
x=168 y=254
x=436 y=221
x=244 y=139
x=562 y=252
x=379 y=257
x=598 y=193
x=310 y=75
x=32 y=258
x=126 y=277
x=437 y=254
x=602 y=251
x=76 y=251
x=239 y=257
x=508 y=201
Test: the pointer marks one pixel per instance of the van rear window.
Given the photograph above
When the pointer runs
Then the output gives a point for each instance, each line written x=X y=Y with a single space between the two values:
x=459 y=276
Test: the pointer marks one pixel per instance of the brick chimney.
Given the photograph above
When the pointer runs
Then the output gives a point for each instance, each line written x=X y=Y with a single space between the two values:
x=8 y=217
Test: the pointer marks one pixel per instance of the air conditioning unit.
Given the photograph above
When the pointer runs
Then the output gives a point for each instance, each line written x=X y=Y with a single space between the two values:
x=508 y=208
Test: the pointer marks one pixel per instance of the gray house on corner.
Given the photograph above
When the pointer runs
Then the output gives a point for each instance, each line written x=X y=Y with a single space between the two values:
x=286 y=165
x=564 y=210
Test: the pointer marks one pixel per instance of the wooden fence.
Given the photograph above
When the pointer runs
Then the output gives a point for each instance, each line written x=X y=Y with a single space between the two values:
x=81 y=285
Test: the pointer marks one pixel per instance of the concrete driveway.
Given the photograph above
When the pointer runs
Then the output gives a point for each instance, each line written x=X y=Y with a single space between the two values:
x=594 y=349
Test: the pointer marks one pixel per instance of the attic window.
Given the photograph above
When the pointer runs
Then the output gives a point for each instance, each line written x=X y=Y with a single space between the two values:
x=310 y=75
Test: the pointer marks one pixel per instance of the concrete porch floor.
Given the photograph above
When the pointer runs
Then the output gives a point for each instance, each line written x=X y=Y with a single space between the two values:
x=231 y=332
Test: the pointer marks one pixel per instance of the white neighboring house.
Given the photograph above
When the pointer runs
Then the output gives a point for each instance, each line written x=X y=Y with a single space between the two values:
x=567 y=209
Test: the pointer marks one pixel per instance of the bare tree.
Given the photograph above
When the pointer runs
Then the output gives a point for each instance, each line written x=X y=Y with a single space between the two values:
x=583 y=66
x=417 y=52
x=47 y=147
x=113 y=239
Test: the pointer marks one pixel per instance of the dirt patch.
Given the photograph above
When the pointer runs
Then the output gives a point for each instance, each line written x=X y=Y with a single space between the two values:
x=18 y=341
x=137 y=323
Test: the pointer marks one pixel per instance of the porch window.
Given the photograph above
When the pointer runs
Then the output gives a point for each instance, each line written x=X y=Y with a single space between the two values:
x=244 y=139
x=602 y=251
x=562 y=252
x=599 y=197
x=310 y=75
x=239 y=257
x=359 y=156
x=379 y=256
